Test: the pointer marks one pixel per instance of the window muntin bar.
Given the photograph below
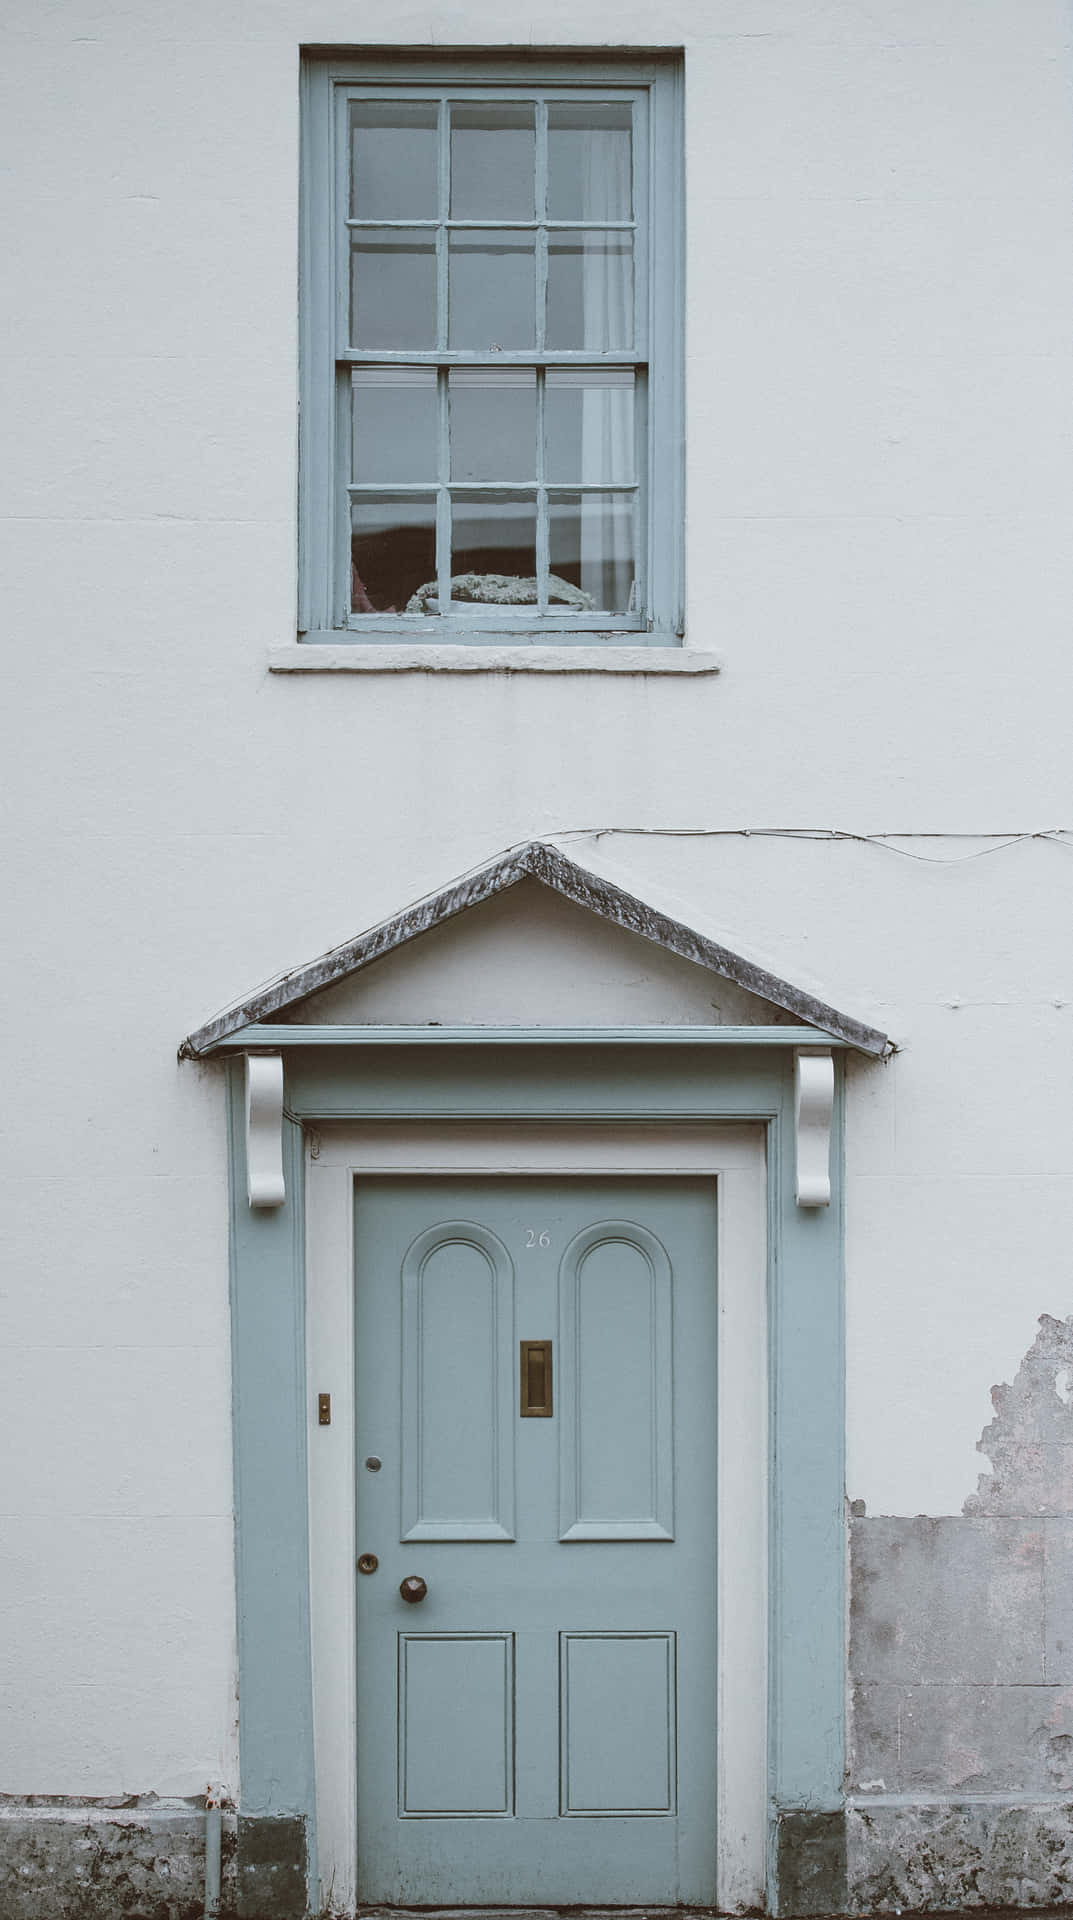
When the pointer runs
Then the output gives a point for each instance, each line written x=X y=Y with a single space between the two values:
x=483 y=357
x=495 y=226
x=401 y=487
x=543 y=583
x=444 y=139
x=443 y=497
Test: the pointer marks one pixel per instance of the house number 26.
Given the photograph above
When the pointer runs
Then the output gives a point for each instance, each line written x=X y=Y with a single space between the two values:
x=535 y=1239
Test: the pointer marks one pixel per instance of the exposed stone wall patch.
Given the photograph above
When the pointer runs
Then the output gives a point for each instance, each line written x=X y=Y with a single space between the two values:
x=1030 y=1441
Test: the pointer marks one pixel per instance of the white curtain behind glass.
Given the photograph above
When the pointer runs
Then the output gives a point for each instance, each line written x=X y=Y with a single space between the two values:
x=606 y=541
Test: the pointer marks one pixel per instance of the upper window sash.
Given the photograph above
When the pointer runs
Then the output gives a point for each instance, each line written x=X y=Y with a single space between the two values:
x=444 y=222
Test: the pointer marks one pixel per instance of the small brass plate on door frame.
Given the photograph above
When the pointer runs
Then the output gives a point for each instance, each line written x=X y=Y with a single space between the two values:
x=536 y=1400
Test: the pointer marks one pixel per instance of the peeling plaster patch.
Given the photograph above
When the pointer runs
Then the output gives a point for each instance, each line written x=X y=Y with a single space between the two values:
x=1030 y=1440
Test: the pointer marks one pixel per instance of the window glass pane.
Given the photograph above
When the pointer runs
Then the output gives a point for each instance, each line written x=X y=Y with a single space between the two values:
x=591 y=538
x=393 y=160
x=392 y=550
x=393 y=290
x=493 y=162
x=588 y=424
x=493 y=549
x=491 y=290
x=590 y=291
x=394 y=423
x=590 y=161
x=493 y=423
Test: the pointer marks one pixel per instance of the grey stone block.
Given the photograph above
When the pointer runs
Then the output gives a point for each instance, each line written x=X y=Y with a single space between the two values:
x=956 y=1856
x=951 y=1599
x=145 y=1861
x=874 y=1757
x=954 y=1739
x=810 y=1857
x=271 y=1867
x=93 y=1862
x=1058 y=1600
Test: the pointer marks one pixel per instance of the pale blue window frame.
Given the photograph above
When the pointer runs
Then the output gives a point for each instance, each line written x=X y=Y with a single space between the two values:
x=654 y=84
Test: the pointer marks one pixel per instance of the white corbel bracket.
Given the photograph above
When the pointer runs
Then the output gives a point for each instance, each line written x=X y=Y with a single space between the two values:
x=814 y=1099
x=264 y=1129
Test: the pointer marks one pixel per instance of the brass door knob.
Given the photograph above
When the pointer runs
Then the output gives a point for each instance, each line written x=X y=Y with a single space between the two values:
x=413 y=1588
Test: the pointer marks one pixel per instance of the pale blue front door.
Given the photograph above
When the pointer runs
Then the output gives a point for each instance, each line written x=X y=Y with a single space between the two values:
x=540 y=1727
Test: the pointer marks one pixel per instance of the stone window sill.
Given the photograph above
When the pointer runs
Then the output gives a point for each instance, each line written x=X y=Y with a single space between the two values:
x=369 y=658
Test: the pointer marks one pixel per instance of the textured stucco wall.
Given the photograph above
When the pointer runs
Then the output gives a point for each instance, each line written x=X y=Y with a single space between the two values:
x=880 y=476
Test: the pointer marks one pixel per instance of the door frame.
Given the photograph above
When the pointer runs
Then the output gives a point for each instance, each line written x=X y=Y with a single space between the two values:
x=557 y=1086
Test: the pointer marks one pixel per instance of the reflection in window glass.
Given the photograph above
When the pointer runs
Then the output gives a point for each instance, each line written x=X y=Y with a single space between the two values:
x=493 y=162
x=491 y=290
x=590 y=291
x=493 y=423
x=394 y=150
x=393 y=290
x=394 y=423
x=590 y=160
x=392 y=550
x=493 y=549
x=588 y=424
x=591 y=544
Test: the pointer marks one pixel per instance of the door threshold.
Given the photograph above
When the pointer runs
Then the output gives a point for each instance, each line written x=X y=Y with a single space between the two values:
x=538 y=1913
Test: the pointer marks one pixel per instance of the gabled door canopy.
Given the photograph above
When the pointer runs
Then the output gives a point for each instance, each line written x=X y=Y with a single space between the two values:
x=247 y=1023
x=248 y=1026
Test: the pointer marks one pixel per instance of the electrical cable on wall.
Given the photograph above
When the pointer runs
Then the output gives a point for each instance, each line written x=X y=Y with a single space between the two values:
x=1058 y=836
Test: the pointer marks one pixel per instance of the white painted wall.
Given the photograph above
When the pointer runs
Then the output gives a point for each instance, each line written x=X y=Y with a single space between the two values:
x=880 y=481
